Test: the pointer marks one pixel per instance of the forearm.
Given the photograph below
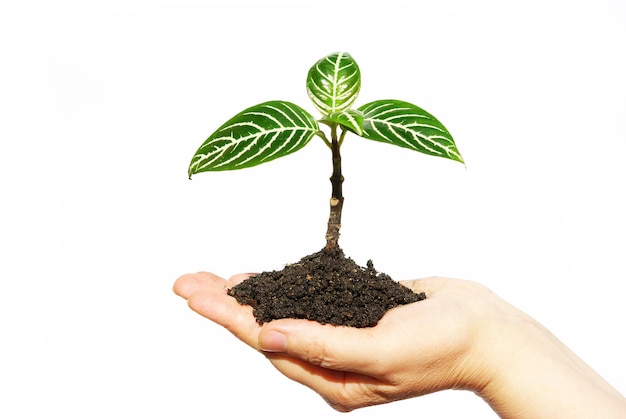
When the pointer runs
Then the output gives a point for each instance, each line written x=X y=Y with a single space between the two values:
x=537 y=376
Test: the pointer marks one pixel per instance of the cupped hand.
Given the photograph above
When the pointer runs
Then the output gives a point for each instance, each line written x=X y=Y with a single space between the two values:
x=415 y=349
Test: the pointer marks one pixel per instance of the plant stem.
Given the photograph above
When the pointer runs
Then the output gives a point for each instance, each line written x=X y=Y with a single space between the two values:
x=336 y=200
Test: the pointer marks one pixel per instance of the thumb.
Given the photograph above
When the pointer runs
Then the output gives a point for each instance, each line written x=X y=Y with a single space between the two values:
x=333 y=347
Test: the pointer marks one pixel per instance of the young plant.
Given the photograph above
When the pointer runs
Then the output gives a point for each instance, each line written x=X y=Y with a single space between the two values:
x=275 y=129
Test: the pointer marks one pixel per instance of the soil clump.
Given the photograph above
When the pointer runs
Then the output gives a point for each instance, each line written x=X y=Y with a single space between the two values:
x=326 y=287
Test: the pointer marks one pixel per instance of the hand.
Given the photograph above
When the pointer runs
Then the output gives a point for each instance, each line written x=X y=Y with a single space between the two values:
x=434 y=340
x=462 y=336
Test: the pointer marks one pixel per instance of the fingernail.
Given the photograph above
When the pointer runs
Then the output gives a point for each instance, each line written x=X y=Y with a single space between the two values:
x=273 y=342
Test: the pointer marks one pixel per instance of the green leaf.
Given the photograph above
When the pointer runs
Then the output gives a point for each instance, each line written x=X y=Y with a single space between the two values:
x=406 y=125
x=257 y=135
x=350 y=119
x=334 y=82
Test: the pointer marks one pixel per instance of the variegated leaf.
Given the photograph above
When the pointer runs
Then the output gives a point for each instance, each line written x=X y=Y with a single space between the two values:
x=334 y=82
x=257 y=135
x=408 y=126
x=351 y=119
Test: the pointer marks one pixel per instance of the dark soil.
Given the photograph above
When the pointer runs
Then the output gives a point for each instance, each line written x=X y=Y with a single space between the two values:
x=327 y=287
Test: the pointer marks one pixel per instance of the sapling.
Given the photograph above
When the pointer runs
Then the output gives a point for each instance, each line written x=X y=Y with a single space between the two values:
x=274 y=129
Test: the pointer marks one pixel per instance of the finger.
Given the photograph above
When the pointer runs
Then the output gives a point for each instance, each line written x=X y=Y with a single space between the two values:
x=437 y=284
x=236 y=279
x=224 y=310
x=429 y=286
x=189 y=283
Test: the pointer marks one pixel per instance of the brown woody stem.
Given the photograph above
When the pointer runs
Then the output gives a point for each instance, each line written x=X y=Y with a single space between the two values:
x=336 y=200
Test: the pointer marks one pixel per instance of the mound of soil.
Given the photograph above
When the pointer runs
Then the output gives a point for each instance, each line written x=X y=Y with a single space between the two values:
x=326 y=287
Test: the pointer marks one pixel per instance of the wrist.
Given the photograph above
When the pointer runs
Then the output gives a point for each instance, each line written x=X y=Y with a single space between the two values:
x=533 y=374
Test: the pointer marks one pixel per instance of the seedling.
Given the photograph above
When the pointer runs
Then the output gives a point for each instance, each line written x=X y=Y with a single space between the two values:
x=326 y=286
x=274 y=129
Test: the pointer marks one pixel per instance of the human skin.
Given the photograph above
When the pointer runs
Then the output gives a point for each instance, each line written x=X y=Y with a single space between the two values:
x=463 y=336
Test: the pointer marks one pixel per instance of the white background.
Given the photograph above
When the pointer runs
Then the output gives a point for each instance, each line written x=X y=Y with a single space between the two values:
x=104 y=103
